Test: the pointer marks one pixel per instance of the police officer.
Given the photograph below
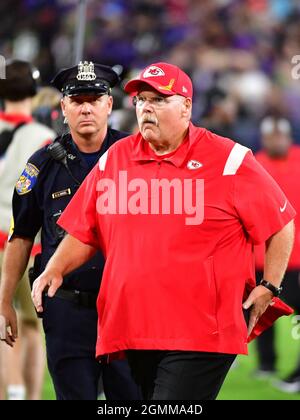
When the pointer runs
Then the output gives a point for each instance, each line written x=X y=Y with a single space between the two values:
x=49 y=180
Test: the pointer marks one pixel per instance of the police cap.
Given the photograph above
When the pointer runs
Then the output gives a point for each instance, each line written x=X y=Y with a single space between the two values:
x=86 y=78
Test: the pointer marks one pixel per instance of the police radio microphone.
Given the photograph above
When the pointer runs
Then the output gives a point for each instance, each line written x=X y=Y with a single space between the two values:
x=59 y=153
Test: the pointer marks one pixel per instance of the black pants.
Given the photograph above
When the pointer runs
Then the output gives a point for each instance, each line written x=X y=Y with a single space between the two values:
x=179 y=375
x=71 y=333
x=266 y=341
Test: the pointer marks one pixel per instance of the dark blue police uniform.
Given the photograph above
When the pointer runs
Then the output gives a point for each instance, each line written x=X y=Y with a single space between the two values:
x=70 y=317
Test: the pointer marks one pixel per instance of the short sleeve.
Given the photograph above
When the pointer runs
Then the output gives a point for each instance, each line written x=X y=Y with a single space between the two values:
x=260 y=203
x=79 y=218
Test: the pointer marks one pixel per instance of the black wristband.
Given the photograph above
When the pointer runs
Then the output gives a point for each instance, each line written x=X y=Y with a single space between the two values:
x=275 y=290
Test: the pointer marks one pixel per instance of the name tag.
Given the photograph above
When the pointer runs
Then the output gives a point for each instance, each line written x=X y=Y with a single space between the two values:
x=62 y=193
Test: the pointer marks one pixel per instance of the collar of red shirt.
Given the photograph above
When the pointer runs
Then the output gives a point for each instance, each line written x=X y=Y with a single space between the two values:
x=15 y=118
x=142 y=151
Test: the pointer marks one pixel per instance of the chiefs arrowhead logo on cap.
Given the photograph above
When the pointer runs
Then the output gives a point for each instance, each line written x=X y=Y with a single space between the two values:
x=153 y=71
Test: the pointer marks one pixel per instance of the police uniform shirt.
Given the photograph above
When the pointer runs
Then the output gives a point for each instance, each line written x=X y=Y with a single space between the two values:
x=41 y=194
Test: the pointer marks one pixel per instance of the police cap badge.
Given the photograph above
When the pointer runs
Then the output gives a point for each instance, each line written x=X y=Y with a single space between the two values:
x=86 y=78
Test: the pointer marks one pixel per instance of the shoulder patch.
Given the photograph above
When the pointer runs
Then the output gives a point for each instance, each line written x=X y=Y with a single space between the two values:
x=27 y=179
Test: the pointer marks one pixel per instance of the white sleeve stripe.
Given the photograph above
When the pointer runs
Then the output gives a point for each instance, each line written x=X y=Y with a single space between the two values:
x=102 y=161
x=235 y=159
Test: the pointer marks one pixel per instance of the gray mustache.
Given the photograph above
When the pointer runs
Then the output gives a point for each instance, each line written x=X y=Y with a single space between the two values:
x=149 y=120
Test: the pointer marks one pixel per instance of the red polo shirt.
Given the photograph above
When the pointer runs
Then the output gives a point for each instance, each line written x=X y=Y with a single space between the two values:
x=286 y=172
x=169 y=283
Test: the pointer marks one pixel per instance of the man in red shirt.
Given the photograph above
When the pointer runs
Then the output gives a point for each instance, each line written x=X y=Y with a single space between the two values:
x=281 y=158
x=176 y=210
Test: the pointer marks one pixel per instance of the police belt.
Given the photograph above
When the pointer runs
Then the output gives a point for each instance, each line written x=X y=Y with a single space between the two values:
x=85 y=299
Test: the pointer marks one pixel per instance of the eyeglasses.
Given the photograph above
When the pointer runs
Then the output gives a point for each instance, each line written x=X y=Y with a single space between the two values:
x=156 y=101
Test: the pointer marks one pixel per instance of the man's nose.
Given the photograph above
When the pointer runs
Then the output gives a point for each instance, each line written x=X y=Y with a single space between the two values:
x=147 y=106
x=86 y=108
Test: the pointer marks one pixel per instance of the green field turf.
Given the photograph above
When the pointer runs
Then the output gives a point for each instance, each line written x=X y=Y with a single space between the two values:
x=240 y=384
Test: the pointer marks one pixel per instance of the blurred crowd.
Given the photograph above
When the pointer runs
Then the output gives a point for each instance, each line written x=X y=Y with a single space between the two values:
x=238 y=52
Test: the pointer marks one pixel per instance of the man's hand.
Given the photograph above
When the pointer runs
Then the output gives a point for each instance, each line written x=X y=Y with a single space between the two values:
x=70 y=254
x=51 y=280
x=8 y=324
x=259 y=300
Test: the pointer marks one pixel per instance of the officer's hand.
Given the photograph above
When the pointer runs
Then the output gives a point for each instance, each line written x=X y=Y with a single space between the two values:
x=8 y=324
x=49 y=279
x=259 y=299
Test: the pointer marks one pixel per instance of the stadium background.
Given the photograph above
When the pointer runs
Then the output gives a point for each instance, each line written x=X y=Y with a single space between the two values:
x=239 y=54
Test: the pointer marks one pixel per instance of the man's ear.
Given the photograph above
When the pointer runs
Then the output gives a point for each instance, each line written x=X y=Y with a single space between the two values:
x=187 y=107
x=63 y=107
x=111 y=102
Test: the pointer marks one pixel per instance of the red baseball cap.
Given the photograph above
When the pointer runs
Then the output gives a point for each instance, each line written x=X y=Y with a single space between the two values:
x=165 y=78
